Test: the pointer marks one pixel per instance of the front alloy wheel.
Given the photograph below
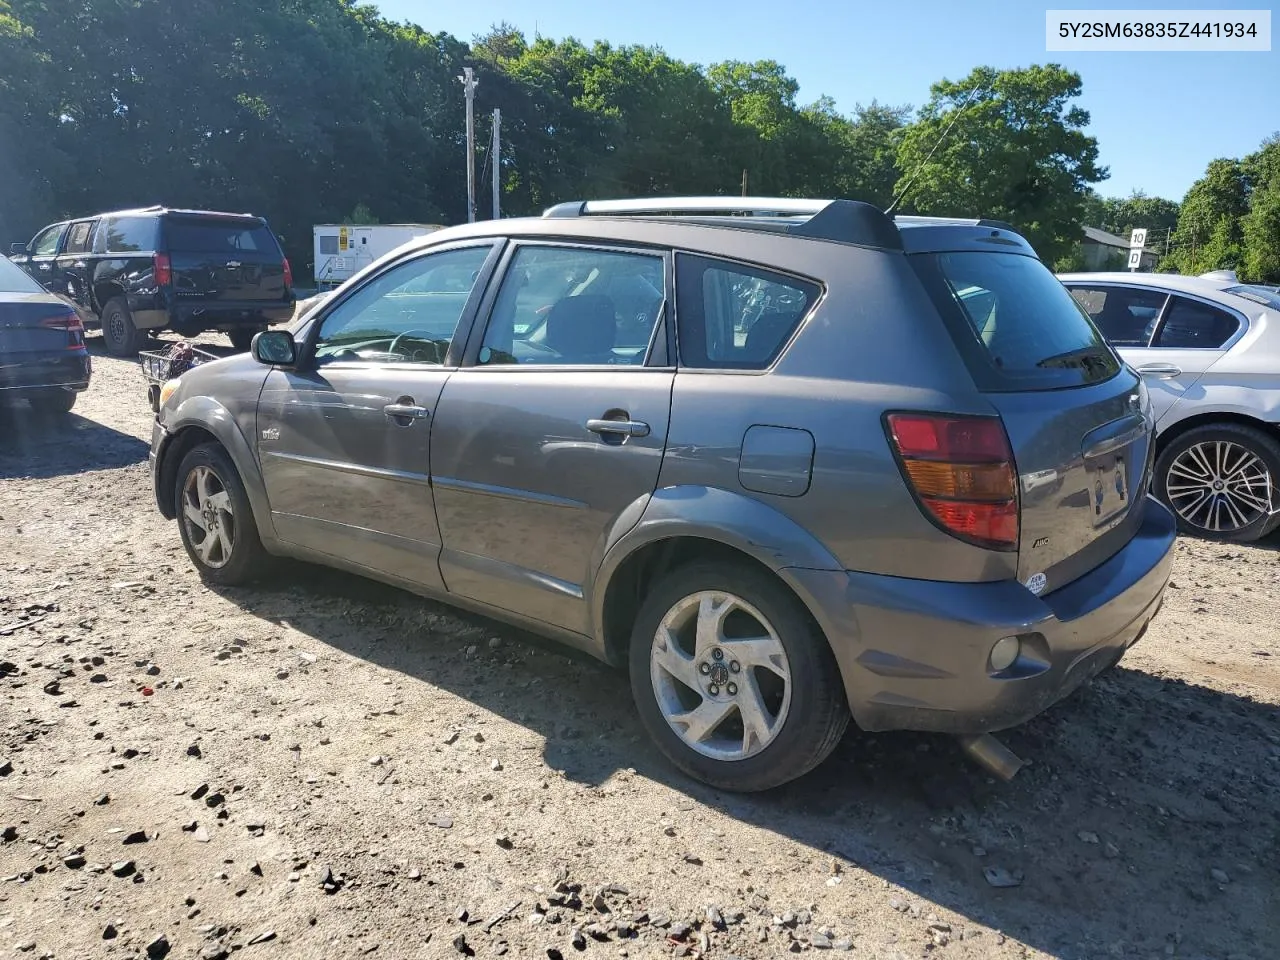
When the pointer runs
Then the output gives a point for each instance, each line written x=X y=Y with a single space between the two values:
x=209 y=517
x=215 y=518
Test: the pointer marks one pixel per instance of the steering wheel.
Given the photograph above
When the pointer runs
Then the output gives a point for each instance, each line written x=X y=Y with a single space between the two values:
x=400 y=336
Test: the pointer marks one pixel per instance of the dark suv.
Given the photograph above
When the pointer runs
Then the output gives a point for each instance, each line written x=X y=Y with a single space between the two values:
x=156 y=269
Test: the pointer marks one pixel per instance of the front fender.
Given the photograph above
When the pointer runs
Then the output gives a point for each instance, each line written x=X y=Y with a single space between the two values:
x=208 y=414
x=723 y=516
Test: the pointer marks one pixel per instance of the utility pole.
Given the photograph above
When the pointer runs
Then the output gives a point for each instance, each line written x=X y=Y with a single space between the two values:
x=495 y=155
x=469 y=84
x=744 y=183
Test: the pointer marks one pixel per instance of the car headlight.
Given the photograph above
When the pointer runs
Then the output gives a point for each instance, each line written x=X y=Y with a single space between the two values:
x=169 y=389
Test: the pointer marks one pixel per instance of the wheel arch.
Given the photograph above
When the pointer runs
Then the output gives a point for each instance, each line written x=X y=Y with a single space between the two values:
x=104 y=291
x=201 y=420
x=682 y=524
x=1184 y=426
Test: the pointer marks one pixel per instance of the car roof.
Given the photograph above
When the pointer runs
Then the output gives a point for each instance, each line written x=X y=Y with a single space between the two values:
x=839 y=221
x=157 y=211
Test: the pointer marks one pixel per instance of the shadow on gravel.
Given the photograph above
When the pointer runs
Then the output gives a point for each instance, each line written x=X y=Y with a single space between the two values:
x=1139 y=788
x=36 y=446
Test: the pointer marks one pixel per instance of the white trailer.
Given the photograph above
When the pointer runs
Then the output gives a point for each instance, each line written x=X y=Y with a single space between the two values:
x=342 y=250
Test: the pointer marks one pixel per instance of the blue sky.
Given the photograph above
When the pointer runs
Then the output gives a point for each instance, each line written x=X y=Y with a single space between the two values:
x=1159 y=117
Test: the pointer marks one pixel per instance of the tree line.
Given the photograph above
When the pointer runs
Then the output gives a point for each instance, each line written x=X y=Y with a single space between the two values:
x=307 y=111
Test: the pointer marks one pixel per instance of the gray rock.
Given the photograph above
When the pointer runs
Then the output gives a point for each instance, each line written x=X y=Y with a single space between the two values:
x=138 y=836
x=264 y=937
x=715 y=917
x=74 y=862
x=1219 y=875
x=844 y=944
x=158 y=948
x=201 y=835
x=110 y=932
x=999 y=877
x=680 y=930
x=820 y=941
x=123 y=868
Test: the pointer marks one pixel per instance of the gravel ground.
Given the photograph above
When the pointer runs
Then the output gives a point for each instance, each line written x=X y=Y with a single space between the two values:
x=322 y=767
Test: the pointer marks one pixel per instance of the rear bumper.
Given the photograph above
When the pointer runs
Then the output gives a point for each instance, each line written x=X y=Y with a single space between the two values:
x=914 y=653
x=69 y=372
x=153 y=312
x=226 y=314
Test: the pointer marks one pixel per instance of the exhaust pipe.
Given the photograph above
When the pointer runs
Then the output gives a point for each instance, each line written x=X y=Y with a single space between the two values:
x=992 y=755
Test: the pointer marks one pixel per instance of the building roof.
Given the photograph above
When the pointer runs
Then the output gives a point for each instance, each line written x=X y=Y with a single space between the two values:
x=1104 y=238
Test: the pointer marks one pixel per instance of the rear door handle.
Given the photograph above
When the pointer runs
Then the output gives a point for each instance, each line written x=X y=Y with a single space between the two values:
x=1161 y=371
x=406 y=411
x=625 y=428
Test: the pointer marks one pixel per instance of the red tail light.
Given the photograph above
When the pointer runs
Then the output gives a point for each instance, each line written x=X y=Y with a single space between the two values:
x=71 y=323
x=961 y=469
x=163 y=268
x=288 y=274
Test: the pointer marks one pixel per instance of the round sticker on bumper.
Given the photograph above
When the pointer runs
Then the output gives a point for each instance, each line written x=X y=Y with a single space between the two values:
x=1036 y=583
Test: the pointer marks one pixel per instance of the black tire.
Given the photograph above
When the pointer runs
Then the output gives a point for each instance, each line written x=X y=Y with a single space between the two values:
x=119 y=335
x=53 y=402
x=1198 y=521
x=818 y=714
x=247 y=559
x=242 y=337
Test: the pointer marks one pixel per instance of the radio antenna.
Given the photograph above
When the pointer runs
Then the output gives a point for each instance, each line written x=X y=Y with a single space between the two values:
x=919 y=166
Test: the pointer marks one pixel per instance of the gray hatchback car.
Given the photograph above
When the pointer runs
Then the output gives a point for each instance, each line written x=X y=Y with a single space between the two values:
x=788 y=460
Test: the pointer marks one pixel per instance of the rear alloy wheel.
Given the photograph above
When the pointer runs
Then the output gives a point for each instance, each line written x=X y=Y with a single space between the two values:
x=732 y=678
x=215 y=518
x=53 y=402
x=119 y=335
x=1222 y=482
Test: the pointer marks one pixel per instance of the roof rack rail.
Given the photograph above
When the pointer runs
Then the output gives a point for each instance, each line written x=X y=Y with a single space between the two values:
x=689 y=206
x=844 y=221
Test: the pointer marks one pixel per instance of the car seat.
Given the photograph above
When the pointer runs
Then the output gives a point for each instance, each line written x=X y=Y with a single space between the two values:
x=582 y=329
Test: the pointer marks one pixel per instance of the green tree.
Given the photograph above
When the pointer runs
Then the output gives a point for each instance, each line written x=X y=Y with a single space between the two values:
x=1261 y=226
x=1209 y=234
x=1006 y=144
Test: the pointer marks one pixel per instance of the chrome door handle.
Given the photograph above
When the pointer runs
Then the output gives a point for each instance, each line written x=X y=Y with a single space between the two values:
x=625 y=428
x=1161 y=371
x=406 y=411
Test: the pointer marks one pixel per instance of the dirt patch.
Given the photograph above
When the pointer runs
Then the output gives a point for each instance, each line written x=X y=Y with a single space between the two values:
x=323 y=767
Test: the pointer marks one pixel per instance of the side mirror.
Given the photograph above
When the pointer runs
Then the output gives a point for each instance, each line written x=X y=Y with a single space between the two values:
x=275 y=348
x=17 y=247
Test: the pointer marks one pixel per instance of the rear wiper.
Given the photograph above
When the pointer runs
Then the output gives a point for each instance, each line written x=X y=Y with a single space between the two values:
x=1073 y=358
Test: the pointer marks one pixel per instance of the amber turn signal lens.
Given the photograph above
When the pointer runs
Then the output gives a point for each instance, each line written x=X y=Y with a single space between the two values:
x=961 y=481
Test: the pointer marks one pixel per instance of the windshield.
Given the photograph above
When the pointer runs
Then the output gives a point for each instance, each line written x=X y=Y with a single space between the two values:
x=214 y=236
x=1256 y=293
x=1016 y=326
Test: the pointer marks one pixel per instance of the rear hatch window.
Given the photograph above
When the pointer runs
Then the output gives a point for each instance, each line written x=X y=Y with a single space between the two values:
x=1015 y=325
x=219 y=236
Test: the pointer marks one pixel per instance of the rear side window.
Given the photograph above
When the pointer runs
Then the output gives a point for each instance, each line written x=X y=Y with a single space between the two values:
x=1190 y=324
x=1127 y=316
x=736 y=317
x=1014 y=323
x=126 y=235
x=78 y=239
x=218 y=236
